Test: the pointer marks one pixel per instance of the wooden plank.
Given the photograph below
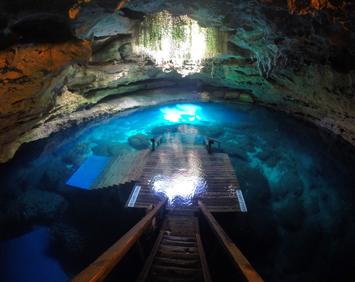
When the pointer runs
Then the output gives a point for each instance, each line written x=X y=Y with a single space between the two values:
x=148 y=264
x=175 y=270
x=217 y=171
x=240 y=261
x=125 y=167
x=178 y=262
x=175 y=255
x=178 y=257
x=103 y=265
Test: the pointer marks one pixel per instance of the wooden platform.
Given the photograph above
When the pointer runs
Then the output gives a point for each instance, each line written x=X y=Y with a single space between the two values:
x=176 y=166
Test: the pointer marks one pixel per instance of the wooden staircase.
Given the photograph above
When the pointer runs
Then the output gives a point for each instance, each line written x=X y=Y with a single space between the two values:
x=178 y=253
x=124 y=167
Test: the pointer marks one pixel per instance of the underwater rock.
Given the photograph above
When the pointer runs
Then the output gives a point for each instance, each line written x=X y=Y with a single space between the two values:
x=160 y=130
x=290 y=213
x=117 y=148
x=235 y=150
x=270 y=157
x=255 y=187
x=101 y=150
x=212 y=131
x=192 y=139
x=38 y=206
x=76 y=156
x=110 y=149
x=289 y=183
x=54 y=175
x=68 y=239
x=257 y=195
x=312 y=204
x=245 y=142
x=139 y=141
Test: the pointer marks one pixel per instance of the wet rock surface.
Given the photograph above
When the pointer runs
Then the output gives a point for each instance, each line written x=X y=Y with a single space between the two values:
x=37 y=206
x=139 y=141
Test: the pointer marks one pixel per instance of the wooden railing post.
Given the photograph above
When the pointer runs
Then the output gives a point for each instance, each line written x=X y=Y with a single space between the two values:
x=240 y=261
x=104 y=264
x=153 y=144
x=156 y=141
x=210 y=143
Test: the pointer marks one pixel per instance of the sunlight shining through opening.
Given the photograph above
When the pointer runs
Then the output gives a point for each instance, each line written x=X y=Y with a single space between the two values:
x=182 y=113
x=178 y=42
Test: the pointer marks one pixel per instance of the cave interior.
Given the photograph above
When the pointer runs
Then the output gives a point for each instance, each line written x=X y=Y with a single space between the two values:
x=237 y=116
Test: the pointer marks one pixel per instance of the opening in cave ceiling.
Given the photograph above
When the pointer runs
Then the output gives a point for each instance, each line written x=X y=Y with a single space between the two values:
x=178 y=42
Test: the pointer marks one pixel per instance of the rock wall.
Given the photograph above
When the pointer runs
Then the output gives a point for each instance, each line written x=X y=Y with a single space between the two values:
x=293 y=55
x=31 y=77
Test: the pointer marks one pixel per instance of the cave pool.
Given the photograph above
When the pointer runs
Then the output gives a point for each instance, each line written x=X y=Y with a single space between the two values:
x=297 y=180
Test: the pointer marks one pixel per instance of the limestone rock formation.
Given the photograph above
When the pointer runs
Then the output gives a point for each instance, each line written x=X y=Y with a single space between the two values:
x=139 y=141
x=37 y=206
x=293 y=55
x=31 y=77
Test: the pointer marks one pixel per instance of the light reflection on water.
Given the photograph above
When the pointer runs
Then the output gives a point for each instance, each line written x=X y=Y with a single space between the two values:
x=183 y=179
x=182 y=113
x=179 y=188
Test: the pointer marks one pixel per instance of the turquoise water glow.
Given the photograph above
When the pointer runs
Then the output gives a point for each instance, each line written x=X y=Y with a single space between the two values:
x=185 y=113
x=298 y=184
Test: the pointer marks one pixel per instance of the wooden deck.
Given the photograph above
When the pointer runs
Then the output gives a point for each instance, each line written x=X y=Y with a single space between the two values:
x=176 y=166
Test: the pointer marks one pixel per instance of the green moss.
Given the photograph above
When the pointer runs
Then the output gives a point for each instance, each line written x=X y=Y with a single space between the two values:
x=178 y=40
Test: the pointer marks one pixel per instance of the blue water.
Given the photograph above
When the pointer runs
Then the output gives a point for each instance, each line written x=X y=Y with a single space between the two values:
x=25 y=259
x=297 y=181
x=88 y=172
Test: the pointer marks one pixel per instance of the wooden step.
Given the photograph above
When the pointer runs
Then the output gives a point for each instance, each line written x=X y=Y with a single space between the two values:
x=175 y=271
x=167 y=278
x=177 y=254
x=178 y=243
x=193 y=263
x=179 y=238
x=178 y=249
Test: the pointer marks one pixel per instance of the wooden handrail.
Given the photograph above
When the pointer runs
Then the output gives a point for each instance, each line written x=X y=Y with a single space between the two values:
x=103 y=265
x=209 y=142
x=214 y=140
x=156 y=141
x=240 y=261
